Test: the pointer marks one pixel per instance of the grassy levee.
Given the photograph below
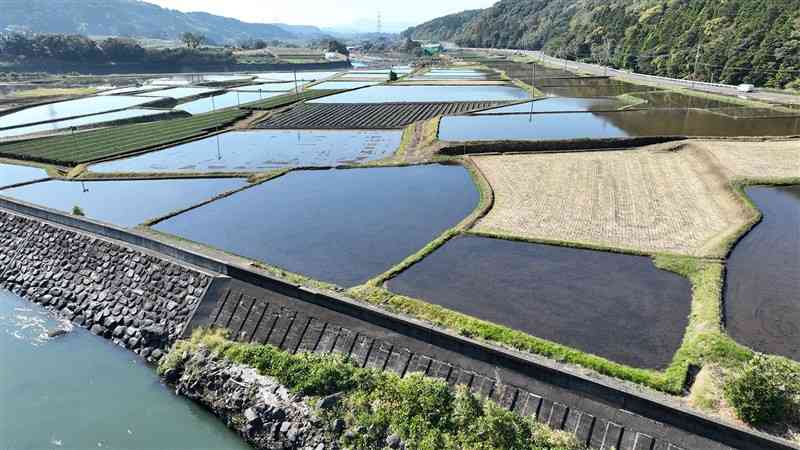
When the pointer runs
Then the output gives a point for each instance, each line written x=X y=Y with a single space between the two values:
x=280 y=101
x=71 y=150
x=424 y=412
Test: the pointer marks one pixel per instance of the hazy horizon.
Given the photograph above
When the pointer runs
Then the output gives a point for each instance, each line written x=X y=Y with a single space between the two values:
x=327 y=14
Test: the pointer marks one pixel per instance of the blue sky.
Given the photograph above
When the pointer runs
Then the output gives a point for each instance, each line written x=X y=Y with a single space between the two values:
x=326 y=13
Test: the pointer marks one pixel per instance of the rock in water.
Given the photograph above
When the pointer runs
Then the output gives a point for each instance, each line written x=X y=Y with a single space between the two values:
x=57 y=332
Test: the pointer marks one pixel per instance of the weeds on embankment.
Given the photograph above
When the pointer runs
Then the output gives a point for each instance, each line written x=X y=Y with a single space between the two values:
x=425 y=413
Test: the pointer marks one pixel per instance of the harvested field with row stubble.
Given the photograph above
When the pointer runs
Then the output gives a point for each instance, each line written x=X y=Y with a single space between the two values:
x=770 y=159
x=367 y=115
x=664 y=198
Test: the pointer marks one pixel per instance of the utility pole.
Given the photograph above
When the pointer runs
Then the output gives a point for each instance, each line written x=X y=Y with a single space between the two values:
x=608 y=55
x=696 y=62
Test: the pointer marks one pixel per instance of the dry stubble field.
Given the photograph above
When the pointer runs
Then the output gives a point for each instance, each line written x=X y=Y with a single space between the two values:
x=674 y=199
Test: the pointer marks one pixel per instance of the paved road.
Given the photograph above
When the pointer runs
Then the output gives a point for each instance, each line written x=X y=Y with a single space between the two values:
x=716 y=88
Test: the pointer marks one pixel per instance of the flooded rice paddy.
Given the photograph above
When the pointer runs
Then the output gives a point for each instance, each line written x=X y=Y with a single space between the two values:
x=95 y=119
x=11 y=174
x=271 y=87
x=72 y=108
x=599 y=125
x=179 y=92
x=78 y=391
x=616 y=306
x=340 y=226
x=343 y=85
x=608 y=88
x=559 y=104
x=222 y=101
x=254 y=151
x=290 y=76
x=412 y=94
x=122 y=203
x=364 y=76
x=762 y=292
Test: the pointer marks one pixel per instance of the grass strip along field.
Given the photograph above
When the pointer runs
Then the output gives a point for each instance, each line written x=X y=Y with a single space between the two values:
x=372 y=405
x=287 y=99
x=91 y=146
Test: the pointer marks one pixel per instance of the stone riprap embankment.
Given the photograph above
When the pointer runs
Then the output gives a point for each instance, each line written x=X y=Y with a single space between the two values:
x=259 y=408
x=140 y=301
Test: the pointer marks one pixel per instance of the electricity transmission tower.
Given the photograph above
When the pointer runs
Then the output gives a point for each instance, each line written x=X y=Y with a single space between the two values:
x=379 y=22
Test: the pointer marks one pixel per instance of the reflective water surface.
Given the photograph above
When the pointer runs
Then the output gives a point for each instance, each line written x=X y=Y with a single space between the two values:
x=253 y=151
x=598 y=302
x=14 y=174
x=597 y=125
x=123 y=203
x=402 y=94
x=72 y=108
x=341 y=226
x=79 y=391
x=762 y=292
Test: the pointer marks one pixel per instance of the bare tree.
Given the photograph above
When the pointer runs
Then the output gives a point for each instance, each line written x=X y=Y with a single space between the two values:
x=193 y=40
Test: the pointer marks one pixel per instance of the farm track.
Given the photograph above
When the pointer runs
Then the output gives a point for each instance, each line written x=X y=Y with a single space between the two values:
x=366 y=115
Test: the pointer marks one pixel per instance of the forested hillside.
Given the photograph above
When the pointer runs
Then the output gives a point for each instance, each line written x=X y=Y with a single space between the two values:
x=133 y=18
x=731 y=41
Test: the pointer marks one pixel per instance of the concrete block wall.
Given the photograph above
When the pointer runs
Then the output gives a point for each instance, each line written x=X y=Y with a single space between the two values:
x=139 y=300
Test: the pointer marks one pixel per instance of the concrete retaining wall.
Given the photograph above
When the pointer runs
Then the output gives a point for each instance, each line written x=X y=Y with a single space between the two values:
x=140 y=301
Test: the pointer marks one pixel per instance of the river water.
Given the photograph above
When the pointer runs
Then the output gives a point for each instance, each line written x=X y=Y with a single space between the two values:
x=79 y=391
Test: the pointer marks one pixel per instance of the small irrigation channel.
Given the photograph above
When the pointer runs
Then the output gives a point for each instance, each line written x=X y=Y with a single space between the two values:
x=263 y=150
x=122 y=203
x=762 y=290
x=328 y=224
x=617 y=306
x=78 y=391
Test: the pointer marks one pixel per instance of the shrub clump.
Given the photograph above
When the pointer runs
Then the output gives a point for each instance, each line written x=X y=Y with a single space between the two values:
x=424 y=412
x=766 y=390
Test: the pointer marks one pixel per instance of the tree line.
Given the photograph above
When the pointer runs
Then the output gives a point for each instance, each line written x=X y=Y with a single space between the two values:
x=735 y=41
x=16 y=47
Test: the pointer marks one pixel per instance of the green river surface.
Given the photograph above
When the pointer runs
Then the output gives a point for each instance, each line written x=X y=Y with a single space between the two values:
x=80 y=391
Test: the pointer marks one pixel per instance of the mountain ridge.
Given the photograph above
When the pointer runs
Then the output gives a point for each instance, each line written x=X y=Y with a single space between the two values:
x=135 y=18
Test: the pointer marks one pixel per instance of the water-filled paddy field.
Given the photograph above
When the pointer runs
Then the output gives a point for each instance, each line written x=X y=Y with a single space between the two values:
x=340 y=226
x=762 y=292
x=11 y=174
x=343 y=85
x=598 y=125
x=180 y=92
x=270 y=87
x=412 y=94
x=254 y=151
x=620 y=307
x=79 y=391
x=226 y=100
x=559 y=104
x=72 y=108
x=96 y=119
x=122 y=203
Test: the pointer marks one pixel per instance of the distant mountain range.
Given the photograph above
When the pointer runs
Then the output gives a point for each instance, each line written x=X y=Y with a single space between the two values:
x=134 y=18
x=732 y=41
